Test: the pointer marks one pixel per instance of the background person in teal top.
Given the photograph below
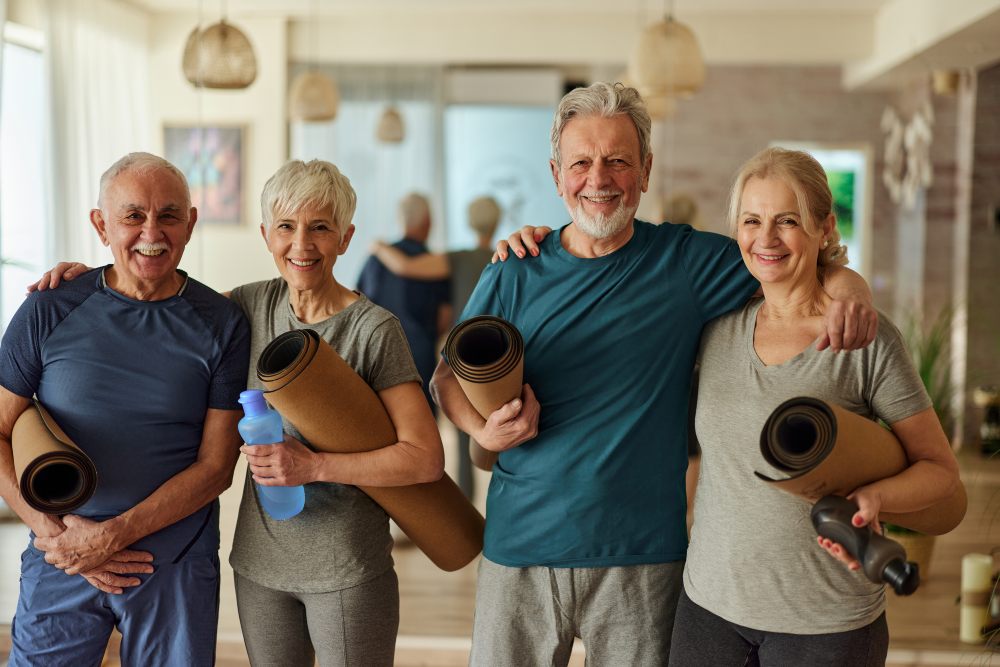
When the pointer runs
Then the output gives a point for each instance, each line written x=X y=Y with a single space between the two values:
x=585 y=530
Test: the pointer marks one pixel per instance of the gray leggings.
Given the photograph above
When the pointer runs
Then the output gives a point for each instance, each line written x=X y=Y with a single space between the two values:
x=702 y=638
x=353 y=627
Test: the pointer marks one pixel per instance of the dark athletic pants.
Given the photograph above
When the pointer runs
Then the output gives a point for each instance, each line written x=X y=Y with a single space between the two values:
x=702 y=638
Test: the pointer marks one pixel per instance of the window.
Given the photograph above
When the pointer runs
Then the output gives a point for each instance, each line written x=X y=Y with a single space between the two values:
x=848 y=171
x=23 y=205
x=501 y=151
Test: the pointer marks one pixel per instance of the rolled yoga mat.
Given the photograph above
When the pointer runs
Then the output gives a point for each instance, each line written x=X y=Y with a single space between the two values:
x=336 y=411
x=486 y=354
x=829 y=450
x=54 y=475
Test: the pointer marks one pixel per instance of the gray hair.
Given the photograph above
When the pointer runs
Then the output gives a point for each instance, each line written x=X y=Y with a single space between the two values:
x=414 y=209
x=317 y=182
x=605 y=100
x=139 y=163
x=805 y=176
x=484 y=215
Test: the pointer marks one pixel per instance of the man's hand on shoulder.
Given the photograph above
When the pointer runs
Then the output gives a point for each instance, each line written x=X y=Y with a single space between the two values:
x=849 y=324
x=512 y=424
x=522 y=243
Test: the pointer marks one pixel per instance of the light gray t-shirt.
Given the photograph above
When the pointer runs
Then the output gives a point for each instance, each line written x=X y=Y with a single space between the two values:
x=753 y=558
x=341 y=538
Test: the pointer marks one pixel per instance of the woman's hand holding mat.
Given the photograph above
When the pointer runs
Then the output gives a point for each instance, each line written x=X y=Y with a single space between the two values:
x=336 y=411
x=827 y=450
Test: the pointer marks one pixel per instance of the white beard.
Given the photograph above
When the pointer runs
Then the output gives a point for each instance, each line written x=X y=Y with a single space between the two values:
x=602 y=226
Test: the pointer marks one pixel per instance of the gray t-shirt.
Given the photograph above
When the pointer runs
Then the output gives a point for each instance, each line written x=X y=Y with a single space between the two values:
x=341 y=538
x=466 y=266
x=753 y=559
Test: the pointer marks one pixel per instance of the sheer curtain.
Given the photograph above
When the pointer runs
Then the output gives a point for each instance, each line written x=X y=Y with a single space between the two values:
x=380 y=173
x=97 y=66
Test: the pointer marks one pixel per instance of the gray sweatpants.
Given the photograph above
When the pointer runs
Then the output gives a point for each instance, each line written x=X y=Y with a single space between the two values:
x=353 y=627
x=530 y=615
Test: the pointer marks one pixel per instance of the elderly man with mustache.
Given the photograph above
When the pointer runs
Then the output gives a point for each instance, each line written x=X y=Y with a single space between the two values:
x=142 y=366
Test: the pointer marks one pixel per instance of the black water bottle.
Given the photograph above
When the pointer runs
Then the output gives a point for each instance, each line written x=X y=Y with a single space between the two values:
x=882 y=559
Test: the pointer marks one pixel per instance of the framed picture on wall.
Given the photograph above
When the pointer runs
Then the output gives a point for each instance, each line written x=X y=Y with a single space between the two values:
x=211 y=158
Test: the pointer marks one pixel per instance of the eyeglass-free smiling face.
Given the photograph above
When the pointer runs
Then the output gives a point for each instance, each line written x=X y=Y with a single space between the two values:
x=305 y=245
x=773 y=240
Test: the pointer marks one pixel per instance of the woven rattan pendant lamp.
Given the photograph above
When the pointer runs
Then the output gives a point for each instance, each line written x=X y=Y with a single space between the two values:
x=666 y=60
x=313 y=96
x=390 y=128
x=219 y=56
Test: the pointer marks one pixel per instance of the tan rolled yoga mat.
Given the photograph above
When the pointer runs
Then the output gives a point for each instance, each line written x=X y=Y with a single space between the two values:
x=54 y=475
x=336 y=411
x=829 y=450
x=486 y=354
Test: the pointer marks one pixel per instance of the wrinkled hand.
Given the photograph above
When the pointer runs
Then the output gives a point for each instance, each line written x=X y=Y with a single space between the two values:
x=523 y=241
x=61 y=271
x=869 y=503
x=82 y=547
x=511 y=424
x=288 y=463
x=107 y=576
x=850 y=325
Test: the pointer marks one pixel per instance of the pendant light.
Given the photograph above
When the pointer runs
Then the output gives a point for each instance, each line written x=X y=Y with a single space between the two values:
x=219 y=56
x=313 y=96
x=390 y=128
x=666 y=60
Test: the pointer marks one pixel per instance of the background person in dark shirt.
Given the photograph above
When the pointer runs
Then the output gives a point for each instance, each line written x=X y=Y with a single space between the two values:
x=462 y=269
x=421 y=306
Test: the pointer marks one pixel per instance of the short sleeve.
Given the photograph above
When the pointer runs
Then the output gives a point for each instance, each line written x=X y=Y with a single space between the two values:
x=230 y=376
x=896 y=390
x=388 y=356
x=718 y=279
x=21 y=350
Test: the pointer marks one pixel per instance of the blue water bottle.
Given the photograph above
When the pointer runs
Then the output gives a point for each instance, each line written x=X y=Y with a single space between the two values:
x=262 y=426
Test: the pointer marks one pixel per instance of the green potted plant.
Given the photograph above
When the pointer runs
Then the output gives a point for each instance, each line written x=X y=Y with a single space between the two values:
x=930 y=347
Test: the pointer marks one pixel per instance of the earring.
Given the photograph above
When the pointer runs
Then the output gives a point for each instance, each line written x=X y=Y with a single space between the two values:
x=826 y=242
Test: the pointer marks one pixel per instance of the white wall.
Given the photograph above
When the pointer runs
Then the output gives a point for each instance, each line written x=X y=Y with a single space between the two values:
x=226 y=256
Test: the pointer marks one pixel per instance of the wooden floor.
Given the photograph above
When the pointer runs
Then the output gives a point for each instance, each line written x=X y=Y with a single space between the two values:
x=436 y=607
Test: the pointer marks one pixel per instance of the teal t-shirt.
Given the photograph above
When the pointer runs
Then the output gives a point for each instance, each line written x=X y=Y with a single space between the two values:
x=610 y=345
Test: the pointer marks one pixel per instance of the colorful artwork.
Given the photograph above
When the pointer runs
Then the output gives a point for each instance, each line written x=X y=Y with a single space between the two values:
x=212 y=160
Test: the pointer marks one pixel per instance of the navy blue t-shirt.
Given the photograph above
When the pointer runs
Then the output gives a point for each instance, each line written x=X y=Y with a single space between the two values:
x=130 y=382
x=414 y=302
x=610 y=344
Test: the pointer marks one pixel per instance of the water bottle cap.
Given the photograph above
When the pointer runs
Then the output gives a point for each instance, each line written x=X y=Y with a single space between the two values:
x=253 y=402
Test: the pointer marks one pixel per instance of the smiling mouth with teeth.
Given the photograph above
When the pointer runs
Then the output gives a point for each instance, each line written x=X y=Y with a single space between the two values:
x=303 y=262
x=603 y=199
x=150 y=252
